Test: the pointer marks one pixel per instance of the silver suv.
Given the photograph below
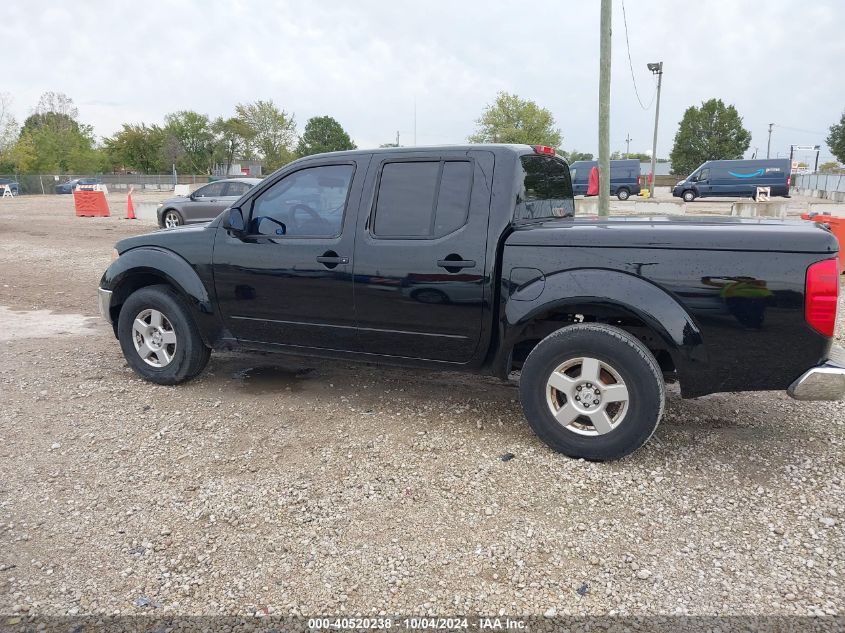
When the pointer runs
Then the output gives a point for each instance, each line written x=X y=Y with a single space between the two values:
x=204 y=204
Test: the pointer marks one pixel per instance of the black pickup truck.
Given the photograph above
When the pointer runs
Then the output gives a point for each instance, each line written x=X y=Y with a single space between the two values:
x=471 y=258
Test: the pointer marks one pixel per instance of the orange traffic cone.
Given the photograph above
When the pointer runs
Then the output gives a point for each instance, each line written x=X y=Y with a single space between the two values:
x=130 y=208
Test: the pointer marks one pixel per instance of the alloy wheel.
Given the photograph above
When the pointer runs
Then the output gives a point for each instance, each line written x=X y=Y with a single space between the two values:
x=587 y=396
x=154 y=337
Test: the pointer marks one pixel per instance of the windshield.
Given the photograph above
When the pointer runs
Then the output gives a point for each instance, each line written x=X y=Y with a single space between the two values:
x=546 y=189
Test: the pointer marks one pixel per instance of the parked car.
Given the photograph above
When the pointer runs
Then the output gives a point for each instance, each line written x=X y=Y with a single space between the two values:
x=624 y=177
x=323 y=257
x=13 y=186
x=735 y=178
x=69 y=185
x=205 y=203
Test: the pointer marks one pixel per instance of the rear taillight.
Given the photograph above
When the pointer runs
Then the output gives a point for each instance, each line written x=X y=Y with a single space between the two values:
x=543 y=149
x=788 y=182
x=821 y=296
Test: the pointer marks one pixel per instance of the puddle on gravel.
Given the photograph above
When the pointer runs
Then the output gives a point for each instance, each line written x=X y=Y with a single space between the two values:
x=271 y=378
x=19 y=324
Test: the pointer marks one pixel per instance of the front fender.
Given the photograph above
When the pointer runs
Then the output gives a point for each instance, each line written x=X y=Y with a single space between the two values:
x=619 y=291
x=147 y=265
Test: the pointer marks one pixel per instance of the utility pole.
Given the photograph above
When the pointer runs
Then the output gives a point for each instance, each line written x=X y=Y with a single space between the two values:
x=604 y=108
x=628 y=140
x=769 y=144
x=657 y=69
x=397 y=138
x=415 y=121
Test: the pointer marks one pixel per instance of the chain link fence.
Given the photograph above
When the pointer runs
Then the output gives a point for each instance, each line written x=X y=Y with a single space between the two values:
x=46 y=183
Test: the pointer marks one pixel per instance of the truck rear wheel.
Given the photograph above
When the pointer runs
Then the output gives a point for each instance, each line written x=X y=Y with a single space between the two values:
x=159 y=338
x=592 y=391
x=623 y=193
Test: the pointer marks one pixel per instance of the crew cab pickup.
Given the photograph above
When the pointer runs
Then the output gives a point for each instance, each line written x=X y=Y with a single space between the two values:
x=470 y=258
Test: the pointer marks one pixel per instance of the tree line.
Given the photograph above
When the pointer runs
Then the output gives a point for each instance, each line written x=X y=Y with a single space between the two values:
x=53 y=139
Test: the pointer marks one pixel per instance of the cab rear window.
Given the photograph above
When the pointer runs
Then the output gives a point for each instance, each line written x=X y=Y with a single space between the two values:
x=546 y=189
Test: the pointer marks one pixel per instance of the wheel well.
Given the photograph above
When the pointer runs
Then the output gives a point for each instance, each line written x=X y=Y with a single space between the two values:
x=128 y=286
x=618 y=317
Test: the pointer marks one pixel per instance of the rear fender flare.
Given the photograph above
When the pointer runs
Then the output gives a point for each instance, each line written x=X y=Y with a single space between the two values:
x=624 y=292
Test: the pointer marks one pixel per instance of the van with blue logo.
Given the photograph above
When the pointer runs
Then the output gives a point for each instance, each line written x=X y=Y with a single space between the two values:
x=735 y=179
x=624 y=177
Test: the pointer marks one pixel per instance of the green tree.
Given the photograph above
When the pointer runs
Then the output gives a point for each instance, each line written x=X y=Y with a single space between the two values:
x=52 y=140
x=233 y=138
x=8 y=132
x=510 y=119
x=323 y=134
x=138 y=147
x=640 y=156
x=713 y=131
x=574 y=155
x=196 y=139
x=274 y=132
x=830 y=167
x=836 y=139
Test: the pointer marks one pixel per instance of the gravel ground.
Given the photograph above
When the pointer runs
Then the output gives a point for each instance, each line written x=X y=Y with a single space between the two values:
x=271 y=485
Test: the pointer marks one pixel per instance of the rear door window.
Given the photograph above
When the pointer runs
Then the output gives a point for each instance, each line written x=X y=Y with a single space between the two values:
x=237 y=188
x=422 y=199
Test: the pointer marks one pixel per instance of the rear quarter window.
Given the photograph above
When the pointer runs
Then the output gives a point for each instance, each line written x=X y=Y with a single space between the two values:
x=546 y=189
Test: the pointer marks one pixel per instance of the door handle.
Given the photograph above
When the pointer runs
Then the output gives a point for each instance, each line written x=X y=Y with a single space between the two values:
x=323 y=259
x=455 y=263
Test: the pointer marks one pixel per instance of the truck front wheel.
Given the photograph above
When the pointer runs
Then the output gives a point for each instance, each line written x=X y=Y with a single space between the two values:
x=159 y=338
x=592 y=391
x=689 y=195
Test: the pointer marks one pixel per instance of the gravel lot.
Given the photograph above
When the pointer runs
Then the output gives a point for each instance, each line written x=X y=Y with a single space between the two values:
x=271 y=485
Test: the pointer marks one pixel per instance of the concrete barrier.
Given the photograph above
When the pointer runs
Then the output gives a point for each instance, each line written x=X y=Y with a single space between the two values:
x=655 y=207
x=759 y=209
x=831 y=208
x=146 y=212
x=590 y=206
x=587 y=206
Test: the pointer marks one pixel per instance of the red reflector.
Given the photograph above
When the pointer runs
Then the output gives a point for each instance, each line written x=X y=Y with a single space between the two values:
x=822 y=295
x=543 y=149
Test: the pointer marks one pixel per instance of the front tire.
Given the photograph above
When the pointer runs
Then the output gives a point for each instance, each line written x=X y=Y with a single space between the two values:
x=592 y=391
x=159 y=338
x=689 y=195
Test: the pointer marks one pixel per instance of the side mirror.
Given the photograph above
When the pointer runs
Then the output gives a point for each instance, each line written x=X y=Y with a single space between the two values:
x=233 y=221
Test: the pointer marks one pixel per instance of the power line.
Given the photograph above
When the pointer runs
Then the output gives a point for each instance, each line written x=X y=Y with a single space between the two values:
x=797 y=129
x=631 y=64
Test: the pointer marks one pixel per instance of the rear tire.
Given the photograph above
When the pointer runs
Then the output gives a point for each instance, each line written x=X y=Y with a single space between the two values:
x=170 y=219
x=622 y=380
x=159 y=338
x=689 y=195
x=623 y=194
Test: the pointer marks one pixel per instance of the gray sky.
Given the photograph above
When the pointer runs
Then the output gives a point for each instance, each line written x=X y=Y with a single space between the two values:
x=366 y=63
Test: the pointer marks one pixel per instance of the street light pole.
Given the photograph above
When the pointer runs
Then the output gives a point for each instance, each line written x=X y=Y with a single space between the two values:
x=604 y=108
x=657 y=69
x=769 y=144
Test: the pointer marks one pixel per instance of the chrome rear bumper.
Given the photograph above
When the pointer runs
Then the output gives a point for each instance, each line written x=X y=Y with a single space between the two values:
x=104 y=300
x=823 y=382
